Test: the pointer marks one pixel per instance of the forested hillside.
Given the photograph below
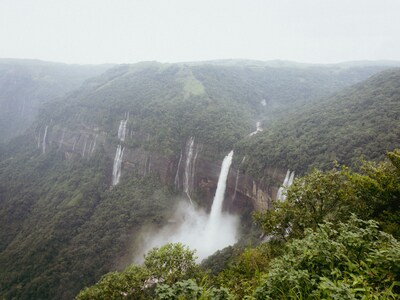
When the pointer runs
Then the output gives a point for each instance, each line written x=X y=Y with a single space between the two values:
x=362 y=120
x=27 y=84
x=65 y=223
x=217 y=104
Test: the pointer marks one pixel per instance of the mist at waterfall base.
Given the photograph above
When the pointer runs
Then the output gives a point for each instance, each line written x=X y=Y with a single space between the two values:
x=193 y=227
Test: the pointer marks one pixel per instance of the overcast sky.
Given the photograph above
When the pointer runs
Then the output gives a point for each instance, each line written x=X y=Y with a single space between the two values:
x=127 y=31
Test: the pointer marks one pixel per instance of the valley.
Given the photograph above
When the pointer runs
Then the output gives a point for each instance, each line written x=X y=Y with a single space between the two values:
x=128 y=157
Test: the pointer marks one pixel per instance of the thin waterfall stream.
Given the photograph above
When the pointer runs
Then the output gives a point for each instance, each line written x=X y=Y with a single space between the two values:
x=116 y=172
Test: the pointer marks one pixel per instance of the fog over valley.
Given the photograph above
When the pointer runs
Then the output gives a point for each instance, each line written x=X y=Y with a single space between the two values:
x=199 y=150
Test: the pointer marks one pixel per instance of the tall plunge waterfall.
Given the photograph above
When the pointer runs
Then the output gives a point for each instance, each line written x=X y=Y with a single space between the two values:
x=195 y=228
x=216 y=208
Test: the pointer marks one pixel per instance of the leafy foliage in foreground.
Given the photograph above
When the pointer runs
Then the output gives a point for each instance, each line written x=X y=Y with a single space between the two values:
x=330 y=253
x=335 y=194
x=352 y=260
x=166 y=265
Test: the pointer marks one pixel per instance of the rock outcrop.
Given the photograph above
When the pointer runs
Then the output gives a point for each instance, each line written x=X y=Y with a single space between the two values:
x=243 y=192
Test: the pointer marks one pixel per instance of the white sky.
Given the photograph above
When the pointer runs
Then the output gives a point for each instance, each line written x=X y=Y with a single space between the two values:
x=127 y=31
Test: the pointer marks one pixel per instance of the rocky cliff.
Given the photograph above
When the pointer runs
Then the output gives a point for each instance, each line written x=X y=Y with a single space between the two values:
x=243 y=192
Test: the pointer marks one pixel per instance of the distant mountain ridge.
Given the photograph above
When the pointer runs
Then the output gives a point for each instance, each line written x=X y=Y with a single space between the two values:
x=63 y=226
x=25 y=85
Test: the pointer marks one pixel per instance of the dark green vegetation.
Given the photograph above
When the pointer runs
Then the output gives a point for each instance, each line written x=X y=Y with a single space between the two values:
x=361 y=120
x=219 y=105
x=318 y=248
x=63 y=227
x=25 y=85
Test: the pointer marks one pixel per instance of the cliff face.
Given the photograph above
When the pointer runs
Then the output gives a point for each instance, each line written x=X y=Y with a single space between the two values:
x=243 y=192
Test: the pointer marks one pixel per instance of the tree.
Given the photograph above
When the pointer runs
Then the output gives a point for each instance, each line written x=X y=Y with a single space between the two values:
x=333 y=195
x=188 y=289
x=168 y=264
x=353 y=260
x=129 y=284
x=171 y=263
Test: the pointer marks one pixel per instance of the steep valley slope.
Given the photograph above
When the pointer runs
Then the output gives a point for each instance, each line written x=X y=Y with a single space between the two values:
x=63 y=224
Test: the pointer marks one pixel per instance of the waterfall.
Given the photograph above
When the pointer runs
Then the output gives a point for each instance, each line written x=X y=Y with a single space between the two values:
x=193 y=167
x=122 y=127
x=44 y=140
x=192 y=226
x=258 y=128
x=116 y=173
x=122 y=130
x=177 y=172
x=188 y=168
x=84 y=147
x=38 y=143
x=287 y=182
x=94 y=144
x=216 y=209
x=291 y=179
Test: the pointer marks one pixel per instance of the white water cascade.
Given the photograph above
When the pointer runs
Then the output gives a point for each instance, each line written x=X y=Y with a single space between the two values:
x=258 y=128
x=287 y=182
x=44 y=140
x=122 y=130
x=291 y=179
x=216 y=208
x=189 y=168
x=38 y=140
x=195 y=228
x=116 y=173
x=94 y=144
x=177 y=173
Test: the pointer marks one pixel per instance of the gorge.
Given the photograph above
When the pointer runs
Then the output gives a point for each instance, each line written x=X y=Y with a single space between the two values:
x=143 y=155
